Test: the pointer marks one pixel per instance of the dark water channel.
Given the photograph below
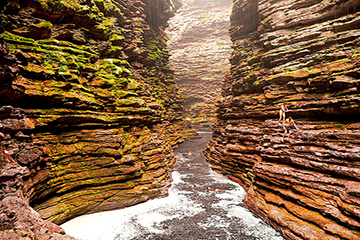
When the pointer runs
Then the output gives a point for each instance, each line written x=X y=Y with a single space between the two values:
x=201 y=205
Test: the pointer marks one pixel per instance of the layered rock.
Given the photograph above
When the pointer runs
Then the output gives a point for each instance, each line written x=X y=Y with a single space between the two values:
x=304 y=54
x=90 y=108
x=200 y=46
x=18 y=219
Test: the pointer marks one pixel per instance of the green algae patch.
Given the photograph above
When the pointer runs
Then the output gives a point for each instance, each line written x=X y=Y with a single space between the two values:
x=65 y=62
x=116 y=39
x=13 y=38
x=108 y=7
x=69 y=4
x=44 y=24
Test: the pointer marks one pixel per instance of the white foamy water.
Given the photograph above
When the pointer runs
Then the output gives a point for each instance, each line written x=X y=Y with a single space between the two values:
x=128 y=223
x=201 y=204
x=125 y=223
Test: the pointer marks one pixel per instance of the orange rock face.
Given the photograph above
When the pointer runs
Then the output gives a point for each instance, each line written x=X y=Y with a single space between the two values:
x=89 y=109
x=200 y=46
x=304 y=54
x=17 y=218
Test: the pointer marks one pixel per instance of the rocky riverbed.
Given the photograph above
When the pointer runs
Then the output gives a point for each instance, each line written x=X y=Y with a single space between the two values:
x=201 y=205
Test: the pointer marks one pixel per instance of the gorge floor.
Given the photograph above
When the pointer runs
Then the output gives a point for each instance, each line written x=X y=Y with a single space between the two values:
x=201 y=205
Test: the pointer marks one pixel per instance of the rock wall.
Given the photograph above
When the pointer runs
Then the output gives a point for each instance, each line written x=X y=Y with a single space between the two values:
x=200 y=46
x=17 y=218
x=304 y=54
x=89 y=109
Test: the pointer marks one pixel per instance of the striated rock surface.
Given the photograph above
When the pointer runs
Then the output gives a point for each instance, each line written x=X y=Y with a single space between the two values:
x=304 y=54
x=200 y=46
x=89 y=109
x=17 y=219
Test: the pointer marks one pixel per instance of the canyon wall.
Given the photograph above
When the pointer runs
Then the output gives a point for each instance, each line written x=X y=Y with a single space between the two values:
x=89 y=110
x=305 y=54
x=199 y=43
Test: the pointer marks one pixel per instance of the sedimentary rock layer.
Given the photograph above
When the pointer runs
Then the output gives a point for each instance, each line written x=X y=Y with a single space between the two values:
x=89 y=108
x=200 y=46
x=17 y=219
x=304 y=54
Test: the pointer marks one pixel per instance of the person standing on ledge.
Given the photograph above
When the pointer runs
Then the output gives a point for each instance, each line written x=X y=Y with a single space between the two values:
x=288 y=126
x=282 y=111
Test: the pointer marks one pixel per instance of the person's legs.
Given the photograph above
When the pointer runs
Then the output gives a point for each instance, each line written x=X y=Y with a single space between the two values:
x=289 y=134
x=283 y=137
x=281 y=116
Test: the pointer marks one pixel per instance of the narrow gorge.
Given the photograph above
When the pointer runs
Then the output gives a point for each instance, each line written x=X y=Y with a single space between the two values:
x=200 y=49
x=91 y=108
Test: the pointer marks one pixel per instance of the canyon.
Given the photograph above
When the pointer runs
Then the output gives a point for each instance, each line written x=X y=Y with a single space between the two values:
x=200 y=47
x=90 y=108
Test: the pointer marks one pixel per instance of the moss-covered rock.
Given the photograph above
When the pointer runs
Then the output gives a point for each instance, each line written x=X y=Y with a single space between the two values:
x=100 y=106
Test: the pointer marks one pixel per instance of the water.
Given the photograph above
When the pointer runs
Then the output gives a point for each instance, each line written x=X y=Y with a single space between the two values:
x=201 y=205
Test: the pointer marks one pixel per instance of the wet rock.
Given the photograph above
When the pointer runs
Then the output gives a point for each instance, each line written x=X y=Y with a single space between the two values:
x=89 y=109
x=304 y=54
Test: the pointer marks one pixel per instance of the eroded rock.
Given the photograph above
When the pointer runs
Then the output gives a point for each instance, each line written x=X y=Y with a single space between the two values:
x=200 y=46
x=89 y=109
x=304 y=54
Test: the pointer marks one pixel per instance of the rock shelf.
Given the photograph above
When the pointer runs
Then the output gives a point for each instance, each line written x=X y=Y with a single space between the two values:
x=304 y=54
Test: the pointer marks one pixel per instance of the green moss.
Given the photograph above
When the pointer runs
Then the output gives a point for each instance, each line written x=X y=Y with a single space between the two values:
x=122 y=63
x=12 y=38
x=123 y=94
x=115 y=37
x=50 y=4
x=107 y=6
x=111 y=68
x=134 y=85
x=113 y=51
x=67 y=67
x=45 y=24
x=356 y=53
x=106 y=25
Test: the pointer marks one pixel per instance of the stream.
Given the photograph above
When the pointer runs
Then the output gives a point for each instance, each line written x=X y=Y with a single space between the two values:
x=201 y=205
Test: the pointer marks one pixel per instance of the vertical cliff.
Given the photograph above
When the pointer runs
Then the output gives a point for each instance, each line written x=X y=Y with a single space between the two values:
x=200 y=45
x=89 y=108
x=304 y=54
